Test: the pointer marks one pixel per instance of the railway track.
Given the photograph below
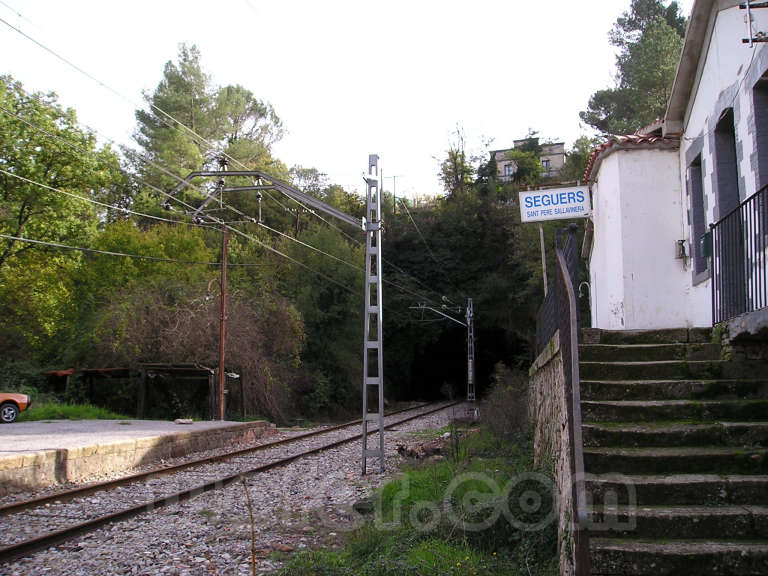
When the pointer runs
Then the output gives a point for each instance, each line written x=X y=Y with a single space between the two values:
x=43 y=522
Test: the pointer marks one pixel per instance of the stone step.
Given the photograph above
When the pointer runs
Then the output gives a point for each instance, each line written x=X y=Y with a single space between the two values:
x=669 y=336
x=676 y=434
x=671 y=410
x=676 y=522
x=647 y=352
x=671 y=370
x=672 y=389
x=681 y=460
x=677 y=489
x=625 y=557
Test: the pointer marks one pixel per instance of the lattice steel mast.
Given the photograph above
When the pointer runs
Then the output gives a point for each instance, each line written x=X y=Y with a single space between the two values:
x=470 y=316
x=373 y=356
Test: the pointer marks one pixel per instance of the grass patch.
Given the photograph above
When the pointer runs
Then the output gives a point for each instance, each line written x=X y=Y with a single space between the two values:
x=484 y=513
x=429 y=434
x=57 y=411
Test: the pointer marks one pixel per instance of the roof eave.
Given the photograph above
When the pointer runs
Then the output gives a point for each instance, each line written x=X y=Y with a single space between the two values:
x=687 y=67
x=631 y=142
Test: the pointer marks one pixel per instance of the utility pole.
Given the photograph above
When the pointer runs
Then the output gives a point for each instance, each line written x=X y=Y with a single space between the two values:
x=371 y=226
x=394 y=191
x=223 y=318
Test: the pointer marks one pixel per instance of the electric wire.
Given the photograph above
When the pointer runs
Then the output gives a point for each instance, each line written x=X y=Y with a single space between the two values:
x=341 y=260
x=297 y=262
x=125 y=149
x=155 y=188
x=65 y=60
x=182 y=125
x=355 y=267
x=98 y=202
x=12 y=9
x=83 y=150
x=119 y=254
x=252 y=238
x=287 y=236
x=422 y=284
x=145 y=215
x=152 y=106
x=249 y=219
x=292 y=239
x=18 y=14
x=173 y=197
x=424 y=241
x=185 y=127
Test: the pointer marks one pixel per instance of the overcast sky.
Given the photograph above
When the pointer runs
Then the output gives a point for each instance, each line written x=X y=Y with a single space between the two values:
x=347 y=78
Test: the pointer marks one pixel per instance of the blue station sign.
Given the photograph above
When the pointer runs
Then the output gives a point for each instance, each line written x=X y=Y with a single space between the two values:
x=555 y=204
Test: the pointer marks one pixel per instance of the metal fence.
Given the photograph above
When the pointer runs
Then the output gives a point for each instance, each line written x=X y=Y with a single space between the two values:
x=560 y=312
x=568 y=325
x=547 y=316
x=739 y=252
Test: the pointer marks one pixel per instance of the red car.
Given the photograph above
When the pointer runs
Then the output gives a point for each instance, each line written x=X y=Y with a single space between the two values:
x=11 y=404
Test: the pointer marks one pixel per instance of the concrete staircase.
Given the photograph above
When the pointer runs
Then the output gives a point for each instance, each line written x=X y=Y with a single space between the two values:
x=676 y=455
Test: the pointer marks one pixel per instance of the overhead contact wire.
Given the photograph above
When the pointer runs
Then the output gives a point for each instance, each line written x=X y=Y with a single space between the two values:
x=187 y=129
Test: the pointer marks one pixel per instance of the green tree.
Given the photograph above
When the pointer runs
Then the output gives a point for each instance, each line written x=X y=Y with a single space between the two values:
x=188 y=122
x=180 y=107
x=650 y=39
x=527 y=167
x=332 y=318
x=48 y=161
x=456 y=170
x=641 y=14
x=578 y=157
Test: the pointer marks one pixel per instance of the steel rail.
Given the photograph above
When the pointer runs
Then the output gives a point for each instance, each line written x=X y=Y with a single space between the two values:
x=26 y=547
x=64 y=495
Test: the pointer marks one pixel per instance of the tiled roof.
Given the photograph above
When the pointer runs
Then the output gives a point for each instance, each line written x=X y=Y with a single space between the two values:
x=630 y=142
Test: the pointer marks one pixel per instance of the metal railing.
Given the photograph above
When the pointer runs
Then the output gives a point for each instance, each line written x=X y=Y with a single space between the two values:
x=560 y=312
x=568 y=325
x=548 y=314
x=739 y=253
x=546 y=319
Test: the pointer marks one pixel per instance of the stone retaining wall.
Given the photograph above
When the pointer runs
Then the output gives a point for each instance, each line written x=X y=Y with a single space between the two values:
x=31 y=470
x=548 y=412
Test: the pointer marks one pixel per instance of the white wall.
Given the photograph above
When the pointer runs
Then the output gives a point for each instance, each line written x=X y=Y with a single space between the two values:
x=637 y=283
x=641 y=206
x=606 y=264
x=656 y=284
x=725 y=79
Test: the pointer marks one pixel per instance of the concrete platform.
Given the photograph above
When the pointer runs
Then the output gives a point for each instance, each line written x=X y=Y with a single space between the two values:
x=39 y=454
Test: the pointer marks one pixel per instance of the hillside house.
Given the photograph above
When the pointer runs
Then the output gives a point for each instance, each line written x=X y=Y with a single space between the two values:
x=552 y=158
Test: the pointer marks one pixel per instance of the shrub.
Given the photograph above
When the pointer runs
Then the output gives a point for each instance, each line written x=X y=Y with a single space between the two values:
x=21 y=377
x=505 y=408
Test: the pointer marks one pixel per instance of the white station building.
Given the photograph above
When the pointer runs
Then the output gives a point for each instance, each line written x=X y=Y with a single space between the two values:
x=679 y=228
